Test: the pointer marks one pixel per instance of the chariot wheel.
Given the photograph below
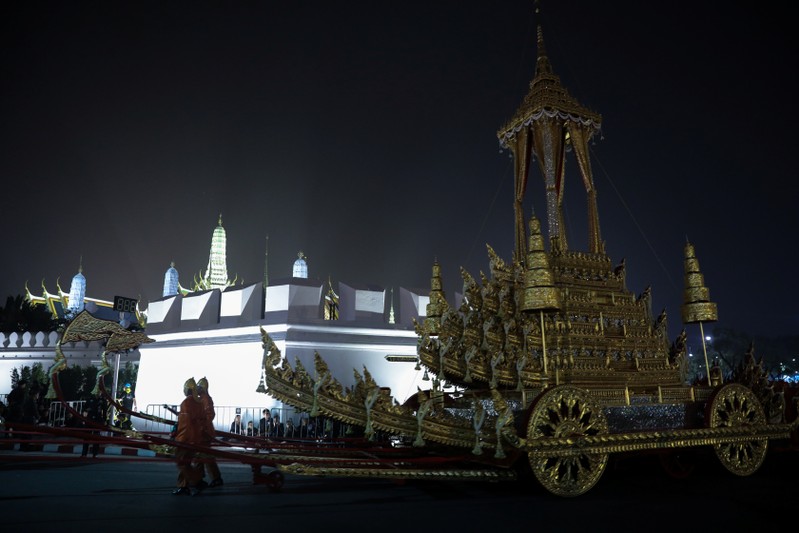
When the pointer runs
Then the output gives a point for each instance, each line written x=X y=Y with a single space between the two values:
x=736 y=406
x=566 y=411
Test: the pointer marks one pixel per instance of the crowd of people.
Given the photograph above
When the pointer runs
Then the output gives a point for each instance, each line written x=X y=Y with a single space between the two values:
x=93 y=416
x=270 y=426
x=24 y=405
x=193 y=431
x=26 y=408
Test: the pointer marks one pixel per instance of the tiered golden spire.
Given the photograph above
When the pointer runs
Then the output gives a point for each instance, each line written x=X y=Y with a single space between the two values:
x=540 y=293
x=697 y=306
x=437 y=304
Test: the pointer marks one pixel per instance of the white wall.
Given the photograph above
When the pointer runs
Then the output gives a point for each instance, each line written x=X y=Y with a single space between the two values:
x=233 y=372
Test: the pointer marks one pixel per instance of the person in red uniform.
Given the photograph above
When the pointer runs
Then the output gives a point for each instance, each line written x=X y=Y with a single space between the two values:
x=208 y=461
x=190 y=430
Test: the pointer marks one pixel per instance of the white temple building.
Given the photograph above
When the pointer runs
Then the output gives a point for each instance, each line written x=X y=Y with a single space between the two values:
x=217 y=334
x=214 y=330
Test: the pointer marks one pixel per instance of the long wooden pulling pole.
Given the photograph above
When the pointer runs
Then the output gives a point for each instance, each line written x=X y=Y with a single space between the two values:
x=543 y=342
x=704 y=348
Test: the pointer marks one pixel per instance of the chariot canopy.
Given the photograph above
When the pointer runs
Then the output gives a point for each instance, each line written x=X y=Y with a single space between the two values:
x=548 y=121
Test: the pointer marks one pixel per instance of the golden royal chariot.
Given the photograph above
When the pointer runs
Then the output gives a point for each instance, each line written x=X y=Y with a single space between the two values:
x=555 y=362
x=552 y=357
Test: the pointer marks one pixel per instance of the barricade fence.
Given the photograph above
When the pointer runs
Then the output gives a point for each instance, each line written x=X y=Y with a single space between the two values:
x=57 y=412
x=293 y=423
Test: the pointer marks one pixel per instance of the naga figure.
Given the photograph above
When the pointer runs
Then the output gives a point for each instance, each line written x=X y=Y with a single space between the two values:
x=473 y=299
x=504 y=424
x=477 y=422
x=425 y=404
x=369 y=401
x=322 y=378
x=450 y=337
x=472 y=340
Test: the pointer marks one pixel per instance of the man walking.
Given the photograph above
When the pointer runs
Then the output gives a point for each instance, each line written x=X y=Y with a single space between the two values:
x=190 y=431
x=208 y=461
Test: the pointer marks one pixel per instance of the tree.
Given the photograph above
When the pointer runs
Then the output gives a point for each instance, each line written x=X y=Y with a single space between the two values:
x=127 y=375
x=21 y=315
x=89 y=381
x=71 y=380
x=76 y=382
x=728 y=347
x=40 y=376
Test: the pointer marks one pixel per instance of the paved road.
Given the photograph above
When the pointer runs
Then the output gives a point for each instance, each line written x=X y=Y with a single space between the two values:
x=57 y=493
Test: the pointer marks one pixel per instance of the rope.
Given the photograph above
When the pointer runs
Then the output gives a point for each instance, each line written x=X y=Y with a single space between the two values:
x=487 y=212
x=635 y=222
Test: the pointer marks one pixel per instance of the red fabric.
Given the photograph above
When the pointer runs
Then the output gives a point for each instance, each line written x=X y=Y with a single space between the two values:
x=209 y=414
x=191 y=421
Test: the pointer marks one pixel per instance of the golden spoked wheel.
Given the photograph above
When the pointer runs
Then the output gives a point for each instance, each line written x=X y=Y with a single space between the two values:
x=733 y=406
x=562 y=412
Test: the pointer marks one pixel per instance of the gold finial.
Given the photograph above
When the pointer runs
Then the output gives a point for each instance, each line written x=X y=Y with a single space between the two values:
x=697 y=306
x=261 y=385
x=540 y=293
x=437 y=304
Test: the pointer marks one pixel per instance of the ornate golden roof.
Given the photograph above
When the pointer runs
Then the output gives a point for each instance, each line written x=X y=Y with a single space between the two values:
x=547 y=99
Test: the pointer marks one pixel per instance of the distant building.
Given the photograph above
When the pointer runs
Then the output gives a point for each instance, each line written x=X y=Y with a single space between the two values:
x=215 y=275
x=214 y=330
x=300 y=267
x=216 y=334
x=171 y=282
x=63 y=305
x=77 y=292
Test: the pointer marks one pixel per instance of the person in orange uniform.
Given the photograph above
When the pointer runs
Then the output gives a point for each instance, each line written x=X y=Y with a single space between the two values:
x=208 y=462
x=190 y=430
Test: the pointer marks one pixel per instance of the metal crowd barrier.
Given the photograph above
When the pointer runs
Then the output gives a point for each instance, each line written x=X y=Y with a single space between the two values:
x=295 y=423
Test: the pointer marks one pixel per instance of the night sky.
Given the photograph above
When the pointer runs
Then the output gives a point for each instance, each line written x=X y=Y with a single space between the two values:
x=364 y=135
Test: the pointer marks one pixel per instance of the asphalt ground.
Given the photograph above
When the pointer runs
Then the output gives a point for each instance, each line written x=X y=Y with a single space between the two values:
x=63 y=492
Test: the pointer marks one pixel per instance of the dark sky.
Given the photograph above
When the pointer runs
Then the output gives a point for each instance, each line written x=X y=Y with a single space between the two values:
x=364 y=134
